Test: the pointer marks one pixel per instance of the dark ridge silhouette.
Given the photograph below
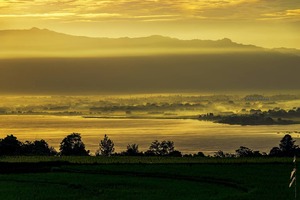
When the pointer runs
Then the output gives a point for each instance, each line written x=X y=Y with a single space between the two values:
x=145 y=74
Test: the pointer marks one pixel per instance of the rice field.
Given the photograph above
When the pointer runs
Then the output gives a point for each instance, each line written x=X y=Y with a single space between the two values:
x=145 y=178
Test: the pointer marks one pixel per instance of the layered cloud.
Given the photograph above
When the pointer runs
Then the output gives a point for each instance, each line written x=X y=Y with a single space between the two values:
x=149 y=10
x=293 y=14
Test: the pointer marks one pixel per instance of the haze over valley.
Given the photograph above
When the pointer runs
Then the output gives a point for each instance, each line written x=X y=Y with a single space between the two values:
x=153 y=99
x=39 y=61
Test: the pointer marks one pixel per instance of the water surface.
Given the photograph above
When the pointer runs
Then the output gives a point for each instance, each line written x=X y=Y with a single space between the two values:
x=190 y=136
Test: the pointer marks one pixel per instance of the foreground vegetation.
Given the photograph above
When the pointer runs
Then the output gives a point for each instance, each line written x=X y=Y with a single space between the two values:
x=34 y=170
x=83 y=177
x=158 y=174
x=142 y=160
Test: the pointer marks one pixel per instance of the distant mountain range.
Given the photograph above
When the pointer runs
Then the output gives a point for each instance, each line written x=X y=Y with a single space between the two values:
x=37 y=42
x=67 y=64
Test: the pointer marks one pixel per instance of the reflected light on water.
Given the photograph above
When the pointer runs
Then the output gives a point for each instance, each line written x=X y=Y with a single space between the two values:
x=190 y=136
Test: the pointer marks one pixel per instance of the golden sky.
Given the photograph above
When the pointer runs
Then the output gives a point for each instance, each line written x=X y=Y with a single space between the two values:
x=268 y=23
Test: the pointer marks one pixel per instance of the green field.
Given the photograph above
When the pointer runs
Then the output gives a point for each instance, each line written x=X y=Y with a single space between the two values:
x=144 y=178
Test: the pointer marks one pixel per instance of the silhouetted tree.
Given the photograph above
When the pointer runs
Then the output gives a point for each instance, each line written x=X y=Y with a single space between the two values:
x=10 y=146
x=154 y=148
x=200 y=154
x=106 y=147
x=175 y=153
x=287 y=145
x=132 y=150
x=219 y=154
x=275 y=151
x=166 y=148
x=73 y=146
x=246 y=152
x=38 y=147
x=161 y=148
x=150 y=153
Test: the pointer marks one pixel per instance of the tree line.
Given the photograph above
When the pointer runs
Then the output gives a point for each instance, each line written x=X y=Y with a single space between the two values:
x=72 y=145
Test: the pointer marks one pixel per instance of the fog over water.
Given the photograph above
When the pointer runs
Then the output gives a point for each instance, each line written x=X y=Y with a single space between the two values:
x=166 y=67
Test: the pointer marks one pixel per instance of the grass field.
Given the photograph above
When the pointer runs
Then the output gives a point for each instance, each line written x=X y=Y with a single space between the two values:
x=144 y=178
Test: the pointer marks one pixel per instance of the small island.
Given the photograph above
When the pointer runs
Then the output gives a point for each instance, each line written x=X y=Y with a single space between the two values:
x=270 y=117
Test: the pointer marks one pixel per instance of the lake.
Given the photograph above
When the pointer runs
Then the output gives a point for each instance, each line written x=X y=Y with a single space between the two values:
x=190 y=136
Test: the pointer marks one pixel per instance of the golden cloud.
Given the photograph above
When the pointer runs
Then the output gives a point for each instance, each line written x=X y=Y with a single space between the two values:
x=46 y=15
x=155 y=10
x=287 y=14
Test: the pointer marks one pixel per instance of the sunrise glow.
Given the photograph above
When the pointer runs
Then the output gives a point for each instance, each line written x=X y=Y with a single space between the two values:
x=260 y=22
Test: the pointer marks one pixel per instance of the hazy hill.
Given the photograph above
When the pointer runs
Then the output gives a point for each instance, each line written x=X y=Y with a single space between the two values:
x=288 y=51
x=42 y=42
x=155 y=64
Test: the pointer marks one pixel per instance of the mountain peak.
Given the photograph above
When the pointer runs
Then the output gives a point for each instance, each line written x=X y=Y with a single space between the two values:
x=226 y=40
x=38 y=29
x=34 y=29
x=158 y=37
